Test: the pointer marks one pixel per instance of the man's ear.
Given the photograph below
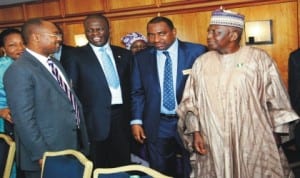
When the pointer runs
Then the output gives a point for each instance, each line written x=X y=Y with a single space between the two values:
x=2 y=51
x=234 y=36
x=35 y=36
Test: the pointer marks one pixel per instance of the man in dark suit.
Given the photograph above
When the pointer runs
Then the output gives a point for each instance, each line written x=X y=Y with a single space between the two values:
x=154 y=121
x=294 y=89
x=43 y=114
x=105 y=94
x=294 y=80
x=63 y=51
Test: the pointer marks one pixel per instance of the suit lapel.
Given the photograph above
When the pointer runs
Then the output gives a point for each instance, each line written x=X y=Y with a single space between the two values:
x=180 y=65
x=44 y=72
x=96 y=67
x=153 y=67
x=118 y=60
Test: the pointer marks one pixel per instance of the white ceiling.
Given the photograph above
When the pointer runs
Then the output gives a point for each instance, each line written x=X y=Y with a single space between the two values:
x=9 y=2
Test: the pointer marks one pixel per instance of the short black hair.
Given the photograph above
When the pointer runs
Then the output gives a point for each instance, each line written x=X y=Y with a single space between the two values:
x=29 y=26
x=97 y=16
x=7 y=32
x=162 y=19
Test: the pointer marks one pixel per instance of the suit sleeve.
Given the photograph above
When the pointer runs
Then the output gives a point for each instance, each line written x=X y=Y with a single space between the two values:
x=19 y=86
x=294 y=80
x=137 y=92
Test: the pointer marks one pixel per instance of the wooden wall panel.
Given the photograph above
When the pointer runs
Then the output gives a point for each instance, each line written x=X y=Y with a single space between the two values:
x=70 y=31
x=11 y=14
x=43 y=9
x=83 y=6
x=285 y=32
x=168 y=1
x=117 y=4
x=186 y=28
x=193 y=27
x=119 y=28
x=191 y=18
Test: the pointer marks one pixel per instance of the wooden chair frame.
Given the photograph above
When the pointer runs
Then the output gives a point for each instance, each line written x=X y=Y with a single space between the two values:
x=88 y=165
x=135 y=167
x=10 y=155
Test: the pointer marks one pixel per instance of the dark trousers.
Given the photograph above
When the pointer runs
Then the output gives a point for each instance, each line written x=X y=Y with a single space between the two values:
x=167 y=154
x=114 y=150
x=32 y=174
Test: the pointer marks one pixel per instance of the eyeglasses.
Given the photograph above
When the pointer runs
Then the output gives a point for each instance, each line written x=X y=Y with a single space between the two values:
x=57 y=35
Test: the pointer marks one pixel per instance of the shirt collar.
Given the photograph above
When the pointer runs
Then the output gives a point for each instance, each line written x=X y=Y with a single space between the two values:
x=172 y=49
x=96 y=48
x=37 y=55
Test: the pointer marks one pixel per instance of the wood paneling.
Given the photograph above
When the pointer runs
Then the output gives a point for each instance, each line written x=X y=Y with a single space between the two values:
x=11 y=14
x=83 y=6
x=71 y=30
x=127 y=26
x=193 y=27
x=168 y=1
x=191 y=18
x=43 y=9
x=117 y=4
x=285 y=32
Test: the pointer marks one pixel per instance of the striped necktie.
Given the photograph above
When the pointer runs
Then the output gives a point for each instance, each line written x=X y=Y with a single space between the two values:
x=65 y=87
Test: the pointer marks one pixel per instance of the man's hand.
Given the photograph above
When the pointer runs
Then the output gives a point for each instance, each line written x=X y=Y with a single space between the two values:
x=199 y=143
x=138 y=133
x=5 y=114
x=40 y=162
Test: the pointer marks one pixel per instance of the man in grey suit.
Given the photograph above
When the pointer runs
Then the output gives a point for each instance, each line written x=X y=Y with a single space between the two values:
x=45 y=118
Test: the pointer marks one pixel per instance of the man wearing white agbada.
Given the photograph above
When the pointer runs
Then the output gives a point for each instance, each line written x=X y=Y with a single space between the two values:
x=233 y=108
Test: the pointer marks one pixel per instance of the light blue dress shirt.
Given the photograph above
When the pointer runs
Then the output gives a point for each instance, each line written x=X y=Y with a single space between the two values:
x=116 y=93
x=161 y=58
x=57 y=54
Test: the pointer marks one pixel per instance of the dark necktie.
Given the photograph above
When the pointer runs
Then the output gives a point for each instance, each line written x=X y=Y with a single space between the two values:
x=109 y=69
x=168 y=89
x=63 y=85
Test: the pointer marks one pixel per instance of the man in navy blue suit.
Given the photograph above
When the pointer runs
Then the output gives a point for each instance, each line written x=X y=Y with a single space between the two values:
x=105 y=95
x=154 y=120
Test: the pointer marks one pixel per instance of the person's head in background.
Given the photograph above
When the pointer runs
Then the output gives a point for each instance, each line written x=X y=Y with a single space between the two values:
x=11 y=43
x=96 y=28
x=134 y=42
x=161 y=33
x=61 y=32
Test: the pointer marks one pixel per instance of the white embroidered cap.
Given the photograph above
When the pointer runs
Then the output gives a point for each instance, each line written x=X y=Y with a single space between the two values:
x=227 y=18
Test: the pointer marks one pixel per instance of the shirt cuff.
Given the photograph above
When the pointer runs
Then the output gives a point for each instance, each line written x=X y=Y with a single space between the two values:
x=136 y=121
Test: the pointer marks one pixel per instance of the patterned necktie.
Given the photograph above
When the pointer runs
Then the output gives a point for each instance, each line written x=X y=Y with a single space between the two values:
x=64 y=86
x=168 y=95
x=109 y=70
